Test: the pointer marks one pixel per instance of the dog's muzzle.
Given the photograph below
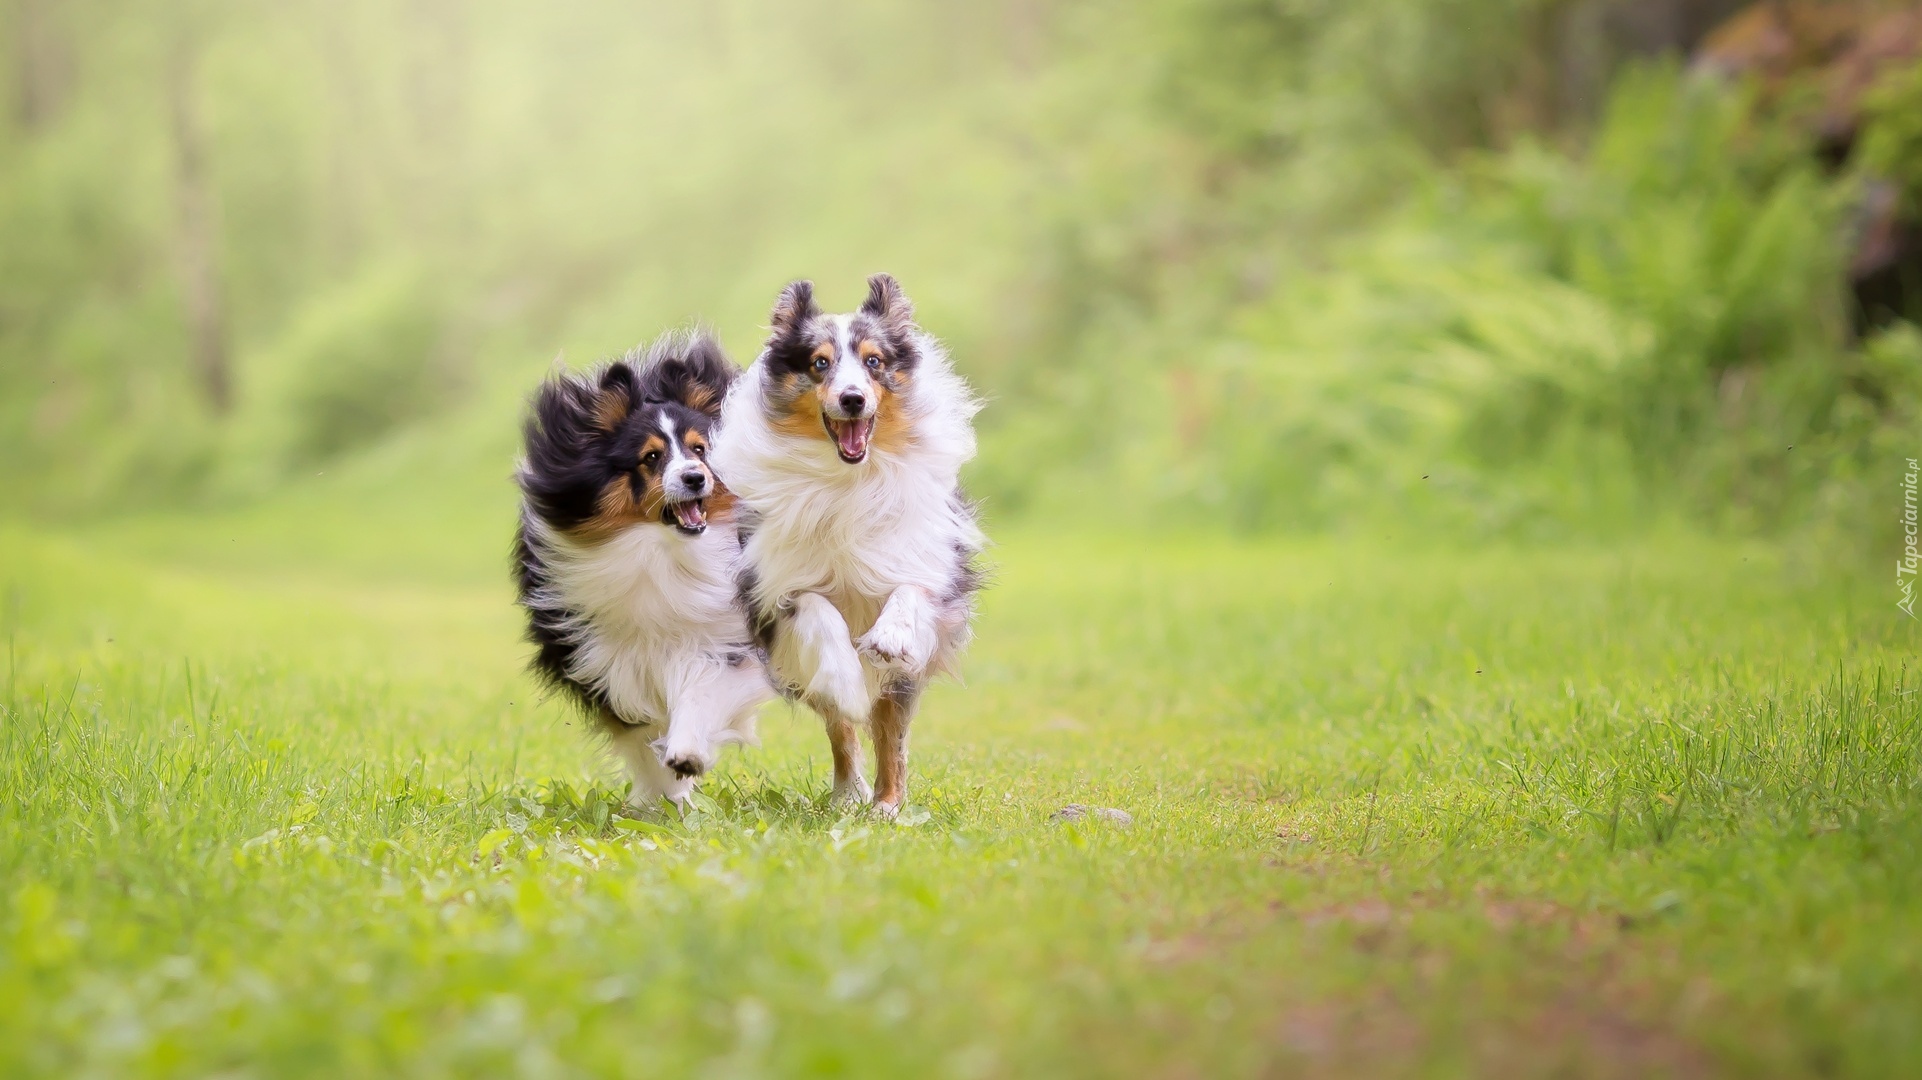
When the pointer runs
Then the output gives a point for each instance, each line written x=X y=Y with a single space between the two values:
x=686 y=508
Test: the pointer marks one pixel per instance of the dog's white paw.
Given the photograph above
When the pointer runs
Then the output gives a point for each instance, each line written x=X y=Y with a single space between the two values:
x=681 y=802
x=688 y=764
x=850 y=794
x=841 y=684
x=654 y=801
x=900 y=641
x=685 y=758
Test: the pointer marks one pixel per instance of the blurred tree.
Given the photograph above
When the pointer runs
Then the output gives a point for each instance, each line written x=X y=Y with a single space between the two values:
x=437 y=107
x=43 y=63
x=197 y=210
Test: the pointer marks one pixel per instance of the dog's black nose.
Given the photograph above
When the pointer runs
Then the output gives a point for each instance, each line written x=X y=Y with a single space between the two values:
x=695 y=479
x=852 y=402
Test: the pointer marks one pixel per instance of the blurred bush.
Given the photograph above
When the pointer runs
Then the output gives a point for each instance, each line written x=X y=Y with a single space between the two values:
x=1269 y=265
x=359 y=362
x=1634 y=314
x=1892 y=141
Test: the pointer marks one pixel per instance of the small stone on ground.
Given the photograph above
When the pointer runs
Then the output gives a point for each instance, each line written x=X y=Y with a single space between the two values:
x=1078 y=812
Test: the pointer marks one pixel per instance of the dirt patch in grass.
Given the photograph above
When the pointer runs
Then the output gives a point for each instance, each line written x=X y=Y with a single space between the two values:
x=1581 y=1033
x=1494 y=986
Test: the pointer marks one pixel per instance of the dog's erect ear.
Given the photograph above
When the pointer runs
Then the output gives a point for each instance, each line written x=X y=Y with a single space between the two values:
x=614 y=399
x=709 y=374
x=794 y=307
x=887 y=302
x=691 y=369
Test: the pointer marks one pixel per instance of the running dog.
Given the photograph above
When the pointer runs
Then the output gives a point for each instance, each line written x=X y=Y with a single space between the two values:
x=627 y=556
x=845 y=440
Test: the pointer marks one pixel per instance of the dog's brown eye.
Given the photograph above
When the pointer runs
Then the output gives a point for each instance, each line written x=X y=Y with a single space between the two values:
x=651 y=458
x=701 y=452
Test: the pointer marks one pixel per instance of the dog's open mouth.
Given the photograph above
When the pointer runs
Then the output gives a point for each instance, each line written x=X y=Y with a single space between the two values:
x=850 y=437
x=690 y=517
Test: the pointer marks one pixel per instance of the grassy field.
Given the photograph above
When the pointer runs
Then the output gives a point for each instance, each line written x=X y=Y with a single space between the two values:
x=1510 y=811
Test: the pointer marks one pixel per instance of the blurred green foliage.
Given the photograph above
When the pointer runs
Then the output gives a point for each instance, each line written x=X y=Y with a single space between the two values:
x=1443 y=289
x=1892 y=146
x=1671 y=301
x=415 y=207
x=1274 y=265
x=360 y=363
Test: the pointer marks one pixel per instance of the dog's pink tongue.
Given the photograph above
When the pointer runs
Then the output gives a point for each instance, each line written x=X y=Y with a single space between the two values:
x=691 y=515
x=852 y=435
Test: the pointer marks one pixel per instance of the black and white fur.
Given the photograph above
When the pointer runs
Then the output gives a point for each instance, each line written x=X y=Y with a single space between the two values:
x=627 y=556
x=845 y=439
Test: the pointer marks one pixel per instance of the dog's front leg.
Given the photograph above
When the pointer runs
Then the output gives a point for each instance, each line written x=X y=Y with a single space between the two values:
x=905 y=634
x=649 y=781
x=713 y=705
x=832 y=667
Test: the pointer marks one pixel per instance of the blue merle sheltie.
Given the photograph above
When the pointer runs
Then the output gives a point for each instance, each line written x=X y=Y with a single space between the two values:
x=627 y=558
x=846 y=439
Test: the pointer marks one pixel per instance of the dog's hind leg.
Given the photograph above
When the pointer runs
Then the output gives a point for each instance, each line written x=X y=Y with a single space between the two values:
x=850 y=787
x=890 y=720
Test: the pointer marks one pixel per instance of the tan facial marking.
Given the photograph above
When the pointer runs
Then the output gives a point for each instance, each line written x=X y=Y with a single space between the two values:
x=802 y=417
x=617 y=509
x=892 y=429
x=720 y=505
x=695 y=441
x=808 y=400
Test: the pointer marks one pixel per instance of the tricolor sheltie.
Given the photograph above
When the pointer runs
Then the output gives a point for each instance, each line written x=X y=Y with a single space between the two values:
x=627 y=557
x=845 y=439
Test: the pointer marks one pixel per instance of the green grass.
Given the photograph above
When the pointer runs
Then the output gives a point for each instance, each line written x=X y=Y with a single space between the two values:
x=1518 y=811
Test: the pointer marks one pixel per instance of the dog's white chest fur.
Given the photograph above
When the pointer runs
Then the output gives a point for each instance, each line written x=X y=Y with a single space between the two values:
x=653 y=612
x=858 y=537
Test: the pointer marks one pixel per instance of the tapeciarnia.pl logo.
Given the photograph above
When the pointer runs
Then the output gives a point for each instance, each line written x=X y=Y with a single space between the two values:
x=1905 y=567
